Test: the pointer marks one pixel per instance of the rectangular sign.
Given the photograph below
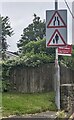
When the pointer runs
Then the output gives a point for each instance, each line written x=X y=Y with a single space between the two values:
x=56 y=28
x=66 y=50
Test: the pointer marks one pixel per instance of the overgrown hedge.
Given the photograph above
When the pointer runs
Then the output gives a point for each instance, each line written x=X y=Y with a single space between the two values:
x=31 y=60
x=28 y=60
x=69 y=60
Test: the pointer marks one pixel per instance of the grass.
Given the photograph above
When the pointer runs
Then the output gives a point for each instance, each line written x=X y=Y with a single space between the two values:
x=0 y=104
x=18 y=104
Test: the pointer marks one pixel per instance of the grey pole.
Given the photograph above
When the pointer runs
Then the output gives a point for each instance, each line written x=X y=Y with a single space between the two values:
x=57 y=73
x=56 y=8
x=56 y=4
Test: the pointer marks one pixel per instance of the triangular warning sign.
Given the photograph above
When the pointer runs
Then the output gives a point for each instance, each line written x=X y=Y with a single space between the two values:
x=56 y=39
x=56 y=21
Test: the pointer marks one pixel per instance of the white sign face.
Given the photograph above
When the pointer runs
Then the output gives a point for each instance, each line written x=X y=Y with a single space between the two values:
x=56 y=28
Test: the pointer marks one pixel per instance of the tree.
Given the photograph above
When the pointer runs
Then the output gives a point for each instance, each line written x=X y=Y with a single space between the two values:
x=6 y=31
x=38 y=47
x=33 y=32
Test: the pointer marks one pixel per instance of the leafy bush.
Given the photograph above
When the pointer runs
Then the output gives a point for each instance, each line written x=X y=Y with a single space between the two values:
x=38 y=47
x=28 y=60
x=69 y=60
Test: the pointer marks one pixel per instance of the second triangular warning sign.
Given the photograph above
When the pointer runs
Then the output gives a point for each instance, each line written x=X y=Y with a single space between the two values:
x=56 y=39
x=56 y=21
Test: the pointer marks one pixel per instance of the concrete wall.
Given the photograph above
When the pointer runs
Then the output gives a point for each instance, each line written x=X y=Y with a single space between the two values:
x=38 y=79
x=41 y=79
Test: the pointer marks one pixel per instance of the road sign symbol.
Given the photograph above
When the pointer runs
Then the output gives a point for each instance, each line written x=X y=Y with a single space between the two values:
x=56 y=28
x=56 y=21
x=56 y=39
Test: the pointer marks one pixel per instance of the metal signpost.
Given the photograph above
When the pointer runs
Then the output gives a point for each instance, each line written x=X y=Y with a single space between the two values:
x=57 y=73
x=56 y=36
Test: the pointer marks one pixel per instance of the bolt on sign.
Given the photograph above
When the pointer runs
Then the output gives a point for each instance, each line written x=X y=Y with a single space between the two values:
x=56 y=28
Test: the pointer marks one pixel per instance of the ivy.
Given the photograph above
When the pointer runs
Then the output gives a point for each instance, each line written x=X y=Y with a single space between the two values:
x=28 y=60
x=69 y=60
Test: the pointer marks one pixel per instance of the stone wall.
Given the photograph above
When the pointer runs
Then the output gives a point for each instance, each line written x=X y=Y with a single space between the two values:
x=67 y=89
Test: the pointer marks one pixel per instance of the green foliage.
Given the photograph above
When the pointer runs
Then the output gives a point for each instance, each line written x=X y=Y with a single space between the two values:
x=6 y=31
x=34 y=32
x=5 y=86
x=33 y=39
x=6 y=28
x=38 y=47
x=69 y=60
x=28 y=60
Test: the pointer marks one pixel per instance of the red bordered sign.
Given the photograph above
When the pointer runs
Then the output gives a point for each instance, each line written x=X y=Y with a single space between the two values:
x=66 y=50
x=56 y=28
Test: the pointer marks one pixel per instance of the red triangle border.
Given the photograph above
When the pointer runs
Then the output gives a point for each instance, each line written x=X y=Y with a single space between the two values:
x=48 y=44
x=48 y=26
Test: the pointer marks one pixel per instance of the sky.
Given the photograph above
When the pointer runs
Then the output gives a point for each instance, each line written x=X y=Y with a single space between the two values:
x=21 y=15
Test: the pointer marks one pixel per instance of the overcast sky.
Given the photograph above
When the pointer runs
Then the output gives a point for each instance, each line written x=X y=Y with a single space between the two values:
x=21 y=15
